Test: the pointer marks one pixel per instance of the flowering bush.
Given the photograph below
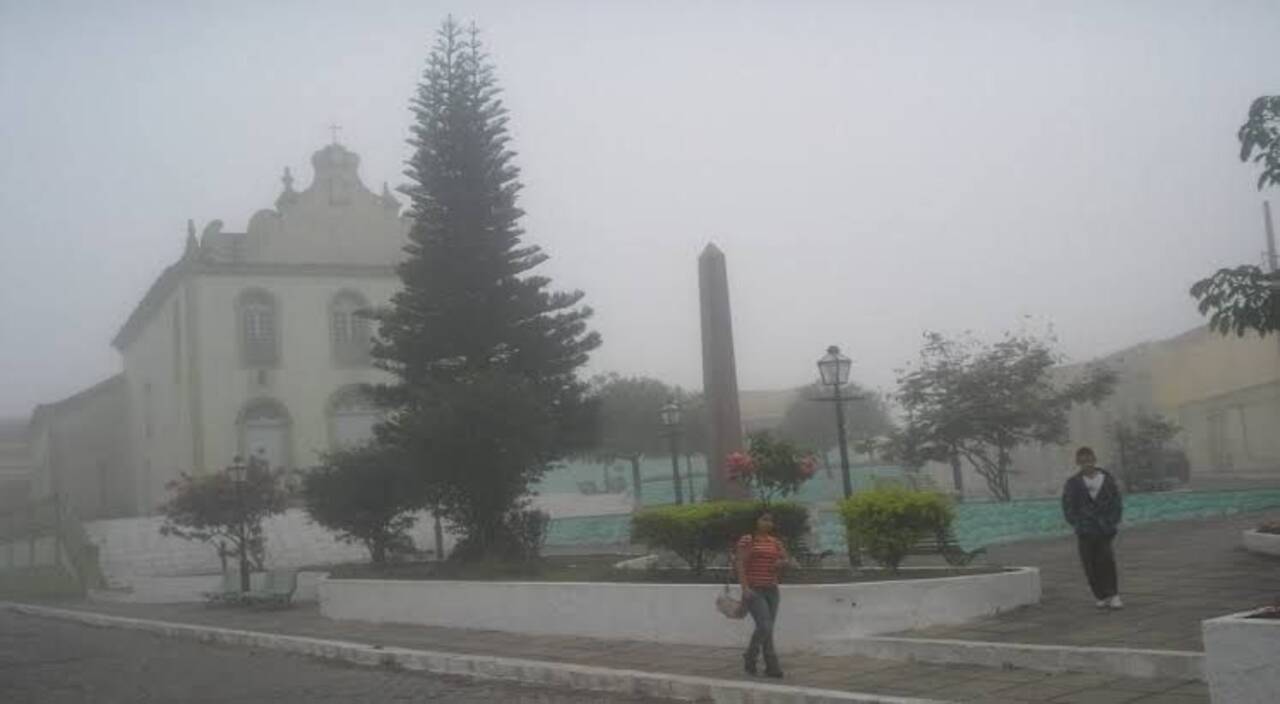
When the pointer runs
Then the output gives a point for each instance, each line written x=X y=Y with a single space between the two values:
x=770 y=467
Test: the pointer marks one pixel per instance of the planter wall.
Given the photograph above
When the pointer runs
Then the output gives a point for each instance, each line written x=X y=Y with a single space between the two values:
x=180 y=590
x=678 y=613
x=1242 y=659
x=1264 y=543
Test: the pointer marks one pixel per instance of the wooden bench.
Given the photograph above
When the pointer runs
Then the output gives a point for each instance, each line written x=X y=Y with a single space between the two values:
x=944 y=544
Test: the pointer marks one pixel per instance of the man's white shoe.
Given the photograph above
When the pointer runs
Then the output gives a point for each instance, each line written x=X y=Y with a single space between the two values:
x=1103 y=603
x=1115 y=603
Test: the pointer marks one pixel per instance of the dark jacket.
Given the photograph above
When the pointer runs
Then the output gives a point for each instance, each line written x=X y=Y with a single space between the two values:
x=1090 y=516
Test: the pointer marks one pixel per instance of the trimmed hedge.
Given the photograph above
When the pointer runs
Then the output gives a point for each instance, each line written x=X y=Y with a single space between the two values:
x=699 y=532
x=888 y=520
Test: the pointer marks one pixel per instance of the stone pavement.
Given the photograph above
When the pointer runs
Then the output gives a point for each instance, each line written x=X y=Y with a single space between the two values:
x=955 y=683
x=56 y=662
x=1172 y=576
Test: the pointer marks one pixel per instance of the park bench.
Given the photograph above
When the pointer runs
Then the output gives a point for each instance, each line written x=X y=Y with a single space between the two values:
x=272 y=589
x=276 y=590
x=944 y=543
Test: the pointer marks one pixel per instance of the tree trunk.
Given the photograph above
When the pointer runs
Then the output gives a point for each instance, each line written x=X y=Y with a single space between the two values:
x=439 y=530
x=957 y=475
x=378 y=550
x=1003 y=474
x=635 y=480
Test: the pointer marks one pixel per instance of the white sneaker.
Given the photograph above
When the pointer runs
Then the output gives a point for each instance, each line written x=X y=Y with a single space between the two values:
x=1115 y=603
x=1103 y=603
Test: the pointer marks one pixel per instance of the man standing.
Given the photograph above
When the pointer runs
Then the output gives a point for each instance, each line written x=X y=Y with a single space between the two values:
x=1092 y=505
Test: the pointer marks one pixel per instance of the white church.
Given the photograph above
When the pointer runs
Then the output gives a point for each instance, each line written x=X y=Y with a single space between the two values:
x=248 y=344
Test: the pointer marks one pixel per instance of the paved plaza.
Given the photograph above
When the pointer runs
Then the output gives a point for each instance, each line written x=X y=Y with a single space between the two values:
x=1173 y=575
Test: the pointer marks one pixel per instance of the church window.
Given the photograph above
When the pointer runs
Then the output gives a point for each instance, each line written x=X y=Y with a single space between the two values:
x=259 y=329
x=349 y=330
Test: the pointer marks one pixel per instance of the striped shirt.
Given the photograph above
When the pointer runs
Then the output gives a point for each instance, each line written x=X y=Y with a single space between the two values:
x=763 y=555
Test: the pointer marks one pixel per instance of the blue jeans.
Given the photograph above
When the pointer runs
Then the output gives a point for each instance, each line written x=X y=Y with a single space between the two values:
x=763 y=607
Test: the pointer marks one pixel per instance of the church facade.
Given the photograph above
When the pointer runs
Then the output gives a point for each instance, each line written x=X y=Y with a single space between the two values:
x=250 y=344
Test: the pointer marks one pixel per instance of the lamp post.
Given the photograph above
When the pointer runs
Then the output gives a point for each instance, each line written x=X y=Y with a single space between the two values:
x=671 y=421
x=239 y=473
x=834 y=370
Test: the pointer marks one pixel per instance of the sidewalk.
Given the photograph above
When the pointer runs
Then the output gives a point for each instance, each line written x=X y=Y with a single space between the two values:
x=1172 y=576
x=853 y=674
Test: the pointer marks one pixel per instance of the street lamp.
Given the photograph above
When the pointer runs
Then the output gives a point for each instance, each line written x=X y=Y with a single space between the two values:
x=834 y=370
x=239 y=474
x=671 y=421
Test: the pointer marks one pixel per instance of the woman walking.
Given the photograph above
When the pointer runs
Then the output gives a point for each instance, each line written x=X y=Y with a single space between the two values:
x=759 y=556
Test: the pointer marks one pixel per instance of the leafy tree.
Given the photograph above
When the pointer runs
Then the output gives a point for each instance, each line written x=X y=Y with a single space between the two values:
x=212 y=509
x=485 y=356
x=629 y=421
x=811 y=423
x=965 y=400
x=1143 y=448
x=1245 y=298
x=366 y=495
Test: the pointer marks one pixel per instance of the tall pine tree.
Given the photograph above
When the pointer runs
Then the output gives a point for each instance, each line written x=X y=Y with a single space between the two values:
x=486 y=357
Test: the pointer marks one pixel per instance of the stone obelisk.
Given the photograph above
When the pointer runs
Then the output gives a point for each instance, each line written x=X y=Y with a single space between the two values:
x=719 y=373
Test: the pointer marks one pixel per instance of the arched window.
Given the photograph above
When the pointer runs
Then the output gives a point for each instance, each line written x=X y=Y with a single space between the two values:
x=264 y=432
x=259 y=329
x=348 y=330
x=352 y=416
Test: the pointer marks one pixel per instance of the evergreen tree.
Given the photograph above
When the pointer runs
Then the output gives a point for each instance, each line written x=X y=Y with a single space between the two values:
x=486 y=357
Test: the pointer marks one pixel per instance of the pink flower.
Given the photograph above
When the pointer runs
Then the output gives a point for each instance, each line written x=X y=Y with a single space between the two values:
x=808 y=466
x=739 y=464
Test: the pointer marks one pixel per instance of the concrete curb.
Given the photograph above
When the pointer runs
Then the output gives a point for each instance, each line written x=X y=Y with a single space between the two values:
x=1127 y=662
x=532 y=672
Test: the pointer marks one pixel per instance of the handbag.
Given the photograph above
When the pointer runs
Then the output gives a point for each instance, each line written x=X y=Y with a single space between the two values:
x=725 y=603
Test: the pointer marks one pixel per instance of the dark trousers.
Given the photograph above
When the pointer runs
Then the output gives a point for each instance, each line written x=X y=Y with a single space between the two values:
x=1099 y=564
x=763 y=607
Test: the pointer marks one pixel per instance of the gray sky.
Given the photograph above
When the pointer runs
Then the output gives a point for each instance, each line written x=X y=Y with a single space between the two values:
x=872 y=170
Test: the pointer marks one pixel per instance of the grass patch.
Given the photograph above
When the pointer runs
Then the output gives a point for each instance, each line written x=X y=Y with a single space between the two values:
x=600 y=568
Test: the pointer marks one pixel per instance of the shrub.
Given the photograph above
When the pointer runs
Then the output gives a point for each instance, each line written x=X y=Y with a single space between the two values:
x=700 y=532
x=519 y=538
x=888 y=520
x=770 y=467
x=365 y=495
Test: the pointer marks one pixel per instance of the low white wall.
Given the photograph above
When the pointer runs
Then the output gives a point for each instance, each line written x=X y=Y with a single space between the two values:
x=678 y=613
x=179 y=590
x=1242 y=659
x=1264 y=543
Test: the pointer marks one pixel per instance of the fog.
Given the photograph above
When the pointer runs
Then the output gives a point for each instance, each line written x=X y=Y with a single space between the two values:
x=871 y=170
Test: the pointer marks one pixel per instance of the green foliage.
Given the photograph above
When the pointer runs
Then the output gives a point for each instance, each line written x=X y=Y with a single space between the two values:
x=888 y=520
x=365 y=494
x=629 y=421
x=1244 y=298
x=485 y=357
x=701 y=532
x=1261 y=132
x=811 y=423
x=521 y=539
x=771 y=467
x=1146 y=460
x=977 y=402
x=212 y=509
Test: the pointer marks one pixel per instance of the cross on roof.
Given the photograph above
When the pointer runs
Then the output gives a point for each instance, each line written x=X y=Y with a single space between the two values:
x=333 y=131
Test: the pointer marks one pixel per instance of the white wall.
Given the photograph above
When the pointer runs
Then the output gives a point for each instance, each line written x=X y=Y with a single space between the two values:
x=678 y=613
x=1242 y=659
